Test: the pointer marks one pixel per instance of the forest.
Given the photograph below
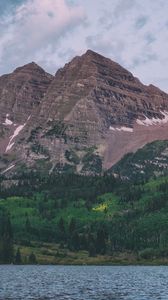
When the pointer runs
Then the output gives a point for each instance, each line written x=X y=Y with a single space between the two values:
x=56 y=218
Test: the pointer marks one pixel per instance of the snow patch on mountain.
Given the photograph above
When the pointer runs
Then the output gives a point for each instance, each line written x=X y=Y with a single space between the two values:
x=7 y=121
x=15 y=134
x=122 y=128
x=154 y=121
x=9 y=168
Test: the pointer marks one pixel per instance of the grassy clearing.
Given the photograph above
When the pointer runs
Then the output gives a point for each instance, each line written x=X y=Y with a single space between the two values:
x=47 y=253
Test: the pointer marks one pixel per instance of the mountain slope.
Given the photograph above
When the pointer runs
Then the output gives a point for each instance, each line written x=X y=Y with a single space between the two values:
x=90 y=115
x=150 y=161
x=21 y=92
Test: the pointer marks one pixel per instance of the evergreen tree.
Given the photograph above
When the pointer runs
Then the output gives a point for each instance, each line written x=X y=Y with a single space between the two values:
x=32 y=259
x=18 y=259
x=6 y=238
x=75 y=241
x=61 y=230
x=92 y=249
x=101 y=241
x=27 y=225
x=72 y=226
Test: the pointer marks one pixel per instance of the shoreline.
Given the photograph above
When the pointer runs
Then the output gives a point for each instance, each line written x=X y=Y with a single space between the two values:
x=52 y=254
x=101 y=264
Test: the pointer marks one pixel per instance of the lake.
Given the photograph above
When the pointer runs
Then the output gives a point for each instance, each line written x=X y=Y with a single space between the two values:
x=83 y=282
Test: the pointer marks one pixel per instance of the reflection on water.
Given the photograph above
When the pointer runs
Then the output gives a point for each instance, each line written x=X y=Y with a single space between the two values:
x=83 y=283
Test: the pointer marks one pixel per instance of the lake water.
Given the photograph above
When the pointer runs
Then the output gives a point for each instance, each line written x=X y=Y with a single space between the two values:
x=83 y=283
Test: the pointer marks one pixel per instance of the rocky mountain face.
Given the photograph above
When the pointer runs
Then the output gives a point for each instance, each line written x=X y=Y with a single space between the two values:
x=84 y=119
x=20 y=95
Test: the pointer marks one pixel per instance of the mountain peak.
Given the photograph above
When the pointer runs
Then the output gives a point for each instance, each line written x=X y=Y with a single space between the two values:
x=91 y=52
x=93 y=64
x=30 y=67
x=103 y=64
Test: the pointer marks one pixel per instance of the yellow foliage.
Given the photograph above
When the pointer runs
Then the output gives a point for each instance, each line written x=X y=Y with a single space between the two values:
x=101 y=207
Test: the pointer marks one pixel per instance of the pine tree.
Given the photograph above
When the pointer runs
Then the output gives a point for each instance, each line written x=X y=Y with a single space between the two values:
x=75 y=241
x=72 y=226
x=27 y=225
x=6 y=238
x=101 y=241
x=92 y=250
x=18 y=259
x=32 y=259
x=61 y=230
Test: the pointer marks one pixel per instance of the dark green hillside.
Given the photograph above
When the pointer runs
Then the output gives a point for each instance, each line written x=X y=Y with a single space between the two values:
x=150 y=161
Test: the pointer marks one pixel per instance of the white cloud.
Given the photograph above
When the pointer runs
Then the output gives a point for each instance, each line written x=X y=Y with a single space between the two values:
x=35 y=28
x=45 y=20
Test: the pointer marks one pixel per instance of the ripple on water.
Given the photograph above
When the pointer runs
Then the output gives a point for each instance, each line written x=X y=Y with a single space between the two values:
x=83 y=283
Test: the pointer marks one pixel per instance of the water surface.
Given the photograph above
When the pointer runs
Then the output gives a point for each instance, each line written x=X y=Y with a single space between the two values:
x=83 y=283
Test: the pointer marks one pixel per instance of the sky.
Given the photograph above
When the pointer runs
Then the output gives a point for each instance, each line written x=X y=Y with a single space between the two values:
x=133 y=33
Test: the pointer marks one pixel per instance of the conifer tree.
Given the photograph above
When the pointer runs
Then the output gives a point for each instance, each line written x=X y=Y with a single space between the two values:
x=18 y=259
x=6 y=238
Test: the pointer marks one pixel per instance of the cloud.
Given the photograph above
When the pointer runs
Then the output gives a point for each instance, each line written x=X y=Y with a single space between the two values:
x=106 y=46
x=36 y=28
x=141 y=21
x=134 y=33
x=8 y=5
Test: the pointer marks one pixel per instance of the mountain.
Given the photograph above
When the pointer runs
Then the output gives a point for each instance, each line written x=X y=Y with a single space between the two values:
x=84 y=119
